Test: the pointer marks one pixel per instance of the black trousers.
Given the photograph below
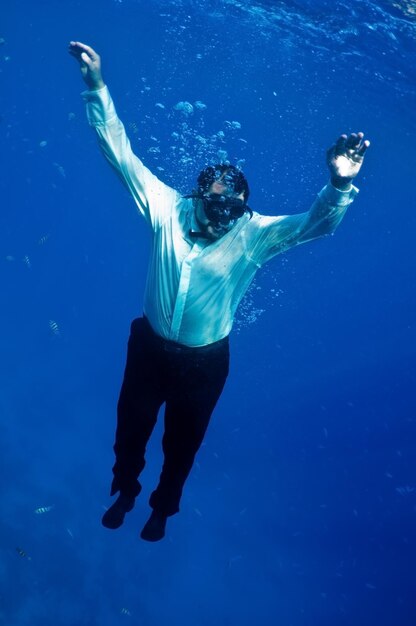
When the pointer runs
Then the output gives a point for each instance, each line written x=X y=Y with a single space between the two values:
x=190 y=382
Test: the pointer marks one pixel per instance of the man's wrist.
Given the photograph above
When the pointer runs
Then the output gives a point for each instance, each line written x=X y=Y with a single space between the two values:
x=96 y=85
x=341 y=183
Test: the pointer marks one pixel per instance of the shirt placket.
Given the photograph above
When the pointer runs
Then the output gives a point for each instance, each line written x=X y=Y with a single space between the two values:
x=183 y=288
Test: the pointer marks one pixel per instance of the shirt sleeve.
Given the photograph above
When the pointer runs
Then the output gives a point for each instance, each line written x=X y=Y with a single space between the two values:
x=278 y=234
x=154 y=199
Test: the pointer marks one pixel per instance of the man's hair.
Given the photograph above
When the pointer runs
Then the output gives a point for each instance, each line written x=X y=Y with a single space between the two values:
x=233 y=177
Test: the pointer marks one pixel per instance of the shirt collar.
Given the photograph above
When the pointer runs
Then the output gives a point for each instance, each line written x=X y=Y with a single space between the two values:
x=193 y=224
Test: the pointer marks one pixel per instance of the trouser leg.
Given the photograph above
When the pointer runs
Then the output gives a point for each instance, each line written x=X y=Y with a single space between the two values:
x=141 y=397
x=197 y=385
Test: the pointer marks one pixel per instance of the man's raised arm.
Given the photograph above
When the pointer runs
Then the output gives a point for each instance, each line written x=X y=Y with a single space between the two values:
x=154 y=199
x=277 y=234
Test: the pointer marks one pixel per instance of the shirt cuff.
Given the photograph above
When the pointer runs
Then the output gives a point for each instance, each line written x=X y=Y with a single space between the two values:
x=336 y=197
x=100 y=106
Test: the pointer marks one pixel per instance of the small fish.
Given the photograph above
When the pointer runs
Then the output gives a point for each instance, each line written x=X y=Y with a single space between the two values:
x=234 y=559
x=404 y=491
x=43 y=239
x=23 y=554
x=43 y=144
x=54 y=327
x=60 y=170
x=70 y=533
x=27 y=262
x=125 y=611
x=233 y=125
x=44 y=509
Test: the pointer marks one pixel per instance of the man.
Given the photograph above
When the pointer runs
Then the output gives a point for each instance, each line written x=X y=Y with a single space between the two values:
x=206 y=250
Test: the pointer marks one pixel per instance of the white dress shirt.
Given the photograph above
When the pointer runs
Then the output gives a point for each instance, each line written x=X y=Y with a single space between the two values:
x=194 y=285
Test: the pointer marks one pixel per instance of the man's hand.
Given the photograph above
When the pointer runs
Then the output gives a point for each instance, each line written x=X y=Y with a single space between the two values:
x=90 y=63
x=345 y=158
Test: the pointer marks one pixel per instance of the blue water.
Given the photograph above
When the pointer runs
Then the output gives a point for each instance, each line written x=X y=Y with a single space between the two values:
x=301 y=508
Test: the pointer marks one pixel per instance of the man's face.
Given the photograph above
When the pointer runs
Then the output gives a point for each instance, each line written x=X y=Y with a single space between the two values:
x=215 y=231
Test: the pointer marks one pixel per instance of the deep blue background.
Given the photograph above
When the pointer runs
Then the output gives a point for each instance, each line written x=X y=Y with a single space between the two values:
x=301 y=508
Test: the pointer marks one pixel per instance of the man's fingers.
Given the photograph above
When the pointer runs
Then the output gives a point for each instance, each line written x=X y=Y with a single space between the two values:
x=352 y=141
x=76 y=48
x=355 y=142
x=91 y=53
x=339 y=147
x=86 y=59
x=361 y=150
